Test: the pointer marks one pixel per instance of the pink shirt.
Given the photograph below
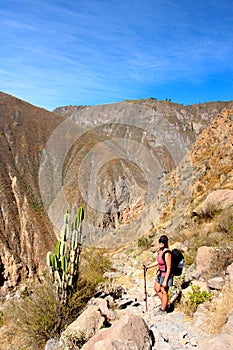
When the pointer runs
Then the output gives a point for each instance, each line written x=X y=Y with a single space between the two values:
x=161 y=265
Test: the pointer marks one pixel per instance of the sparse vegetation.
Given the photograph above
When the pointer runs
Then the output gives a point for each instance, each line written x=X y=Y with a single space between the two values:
x=40 y=316
x=199 y=188
x=143 y=242
x=55 y=303
x=218 y=311
x=36 y=206
x=213 y=230
x=35 y=318
x=195 y=297
x=1 y=318
x=224 y=222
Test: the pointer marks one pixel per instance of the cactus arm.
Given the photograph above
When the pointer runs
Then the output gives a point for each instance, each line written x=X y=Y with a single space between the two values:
x=64 y=262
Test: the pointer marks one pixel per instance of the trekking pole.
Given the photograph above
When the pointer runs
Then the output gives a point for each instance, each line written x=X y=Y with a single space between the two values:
x=145 y=291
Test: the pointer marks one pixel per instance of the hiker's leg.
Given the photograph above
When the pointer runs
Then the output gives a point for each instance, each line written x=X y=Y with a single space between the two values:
x=164 y=292
x=157 y=289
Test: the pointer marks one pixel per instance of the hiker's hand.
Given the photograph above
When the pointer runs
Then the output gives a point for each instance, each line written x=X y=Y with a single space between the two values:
x=164 y=284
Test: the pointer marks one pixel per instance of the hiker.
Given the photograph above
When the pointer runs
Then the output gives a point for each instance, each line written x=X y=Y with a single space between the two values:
x=164 y=278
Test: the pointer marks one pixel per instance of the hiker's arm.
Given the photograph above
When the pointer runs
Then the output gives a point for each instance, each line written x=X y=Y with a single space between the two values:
x=155 y=263
x=168 y=260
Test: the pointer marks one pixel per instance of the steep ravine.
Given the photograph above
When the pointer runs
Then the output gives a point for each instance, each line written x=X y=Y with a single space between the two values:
x=116 y=160
x=26 y=230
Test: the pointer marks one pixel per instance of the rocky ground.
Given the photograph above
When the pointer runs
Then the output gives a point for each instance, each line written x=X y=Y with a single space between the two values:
x=174 y=330
x=116 y=318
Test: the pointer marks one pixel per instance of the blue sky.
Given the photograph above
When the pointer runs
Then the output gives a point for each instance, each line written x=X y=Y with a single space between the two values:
x=88 y=52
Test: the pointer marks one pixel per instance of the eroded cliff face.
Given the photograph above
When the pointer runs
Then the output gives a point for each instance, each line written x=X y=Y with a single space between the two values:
x=25 y=231
x=126 y=195
x=205 y=172
x=113 y=159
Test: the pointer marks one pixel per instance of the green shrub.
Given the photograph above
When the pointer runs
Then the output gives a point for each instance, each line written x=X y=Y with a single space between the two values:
x=145 y=242
x=1 y=318
x=194 y=298
x=142 y=242
x=197 y=297
x=199 y=188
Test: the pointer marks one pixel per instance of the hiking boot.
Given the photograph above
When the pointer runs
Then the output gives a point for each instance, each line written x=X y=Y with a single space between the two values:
x=159 y=312
x=170 y=308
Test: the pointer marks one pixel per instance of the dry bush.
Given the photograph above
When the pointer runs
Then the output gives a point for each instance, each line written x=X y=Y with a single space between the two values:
x=93 y=264
x=39 y=316
x=213 y=230
x=34 y=318
x=218 y=311
x=92 y=267
x=224 y=222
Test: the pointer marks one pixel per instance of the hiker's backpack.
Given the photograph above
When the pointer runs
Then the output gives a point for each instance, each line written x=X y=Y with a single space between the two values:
x=177 y=261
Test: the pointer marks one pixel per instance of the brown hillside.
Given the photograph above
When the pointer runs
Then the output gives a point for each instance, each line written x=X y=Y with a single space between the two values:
x=25 y=231
x=213 y=153
x=207 y=170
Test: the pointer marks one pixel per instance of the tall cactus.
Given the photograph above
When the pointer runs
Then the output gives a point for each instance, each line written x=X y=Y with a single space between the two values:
x=64 y=262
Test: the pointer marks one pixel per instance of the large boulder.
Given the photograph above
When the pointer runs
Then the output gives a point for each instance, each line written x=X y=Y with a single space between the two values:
x=216 y=283
x=216 y=200
x=52 y=344
x=211 y=262
x=129 y=332
x=205 y=259
x=83 y=328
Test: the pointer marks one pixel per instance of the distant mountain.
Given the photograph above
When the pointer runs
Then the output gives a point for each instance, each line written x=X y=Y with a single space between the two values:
x=166 y=129
x=113 y=159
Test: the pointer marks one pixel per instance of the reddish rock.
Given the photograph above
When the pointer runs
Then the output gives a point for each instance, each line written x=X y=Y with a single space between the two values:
x=129 y=332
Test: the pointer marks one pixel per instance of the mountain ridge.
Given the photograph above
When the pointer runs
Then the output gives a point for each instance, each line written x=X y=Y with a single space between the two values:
x=27 y=231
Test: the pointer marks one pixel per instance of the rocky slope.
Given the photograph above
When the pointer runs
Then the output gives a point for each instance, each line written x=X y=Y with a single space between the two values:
x=118 y=317
x=136 y=170
x=113 y=159
x=25 y=231
x=154 y=136
x=206 y=169
x=210 y=160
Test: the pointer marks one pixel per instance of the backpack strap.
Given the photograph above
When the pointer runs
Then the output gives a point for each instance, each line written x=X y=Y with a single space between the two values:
x=163 y=256
x=164 y=253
